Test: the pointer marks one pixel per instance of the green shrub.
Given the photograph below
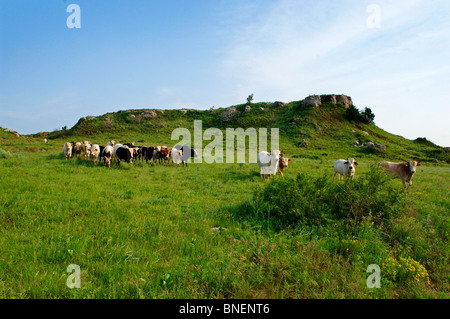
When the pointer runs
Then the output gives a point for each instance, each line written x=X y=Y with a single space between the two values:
x=353 y=114
x=4 y=154
x=315 y=202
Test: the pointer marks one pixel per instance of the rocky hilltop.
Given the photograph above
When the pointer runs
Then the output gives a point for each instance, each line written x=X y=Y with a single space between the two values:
x=317 y=100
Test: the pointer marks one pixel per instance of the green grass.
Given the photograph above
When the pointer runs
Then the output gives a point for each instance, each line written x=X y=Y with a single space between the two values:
x=218 y=230
x=148 y=232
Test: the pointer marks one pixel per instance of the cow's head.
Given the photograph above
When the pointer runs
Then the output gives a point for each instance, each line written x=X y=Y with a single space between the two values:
x=284 y=161
x=351 y=162
x=412 y=166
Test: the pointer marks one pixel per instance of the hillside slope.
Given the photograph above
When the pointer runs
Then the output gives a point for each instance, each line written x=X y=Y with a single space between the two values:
x=325 y=128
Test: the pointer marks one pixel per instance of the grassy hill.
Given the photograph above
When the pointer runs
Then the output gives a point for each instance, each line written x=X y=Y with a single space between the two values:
x=218 y=230
x=326 y=128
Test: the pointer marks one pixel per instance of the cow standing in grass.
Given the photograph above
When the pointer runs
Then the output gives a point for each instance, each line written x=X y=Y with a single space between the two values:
x=176 y=156
x=404 y=171
x=95 y=153
x=345 y=168
x=67 y=149
x=148 y=154
x=77 y=150
x=107 y=155
x=186 y=152
x=123 y=154
x=86 y=149
x=283 y=163
x=268 y=163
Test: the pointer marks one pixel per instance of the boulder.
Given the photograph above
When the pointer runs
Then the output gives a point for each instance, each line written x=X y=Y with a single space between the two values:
x=329 y=98
x=229 y=114
x=304 y=143
x=344 y=99
x=278 y=104
x=248 y=108
x=312 y=100
x=317 y=100
x=149 y=113
x=374 y=146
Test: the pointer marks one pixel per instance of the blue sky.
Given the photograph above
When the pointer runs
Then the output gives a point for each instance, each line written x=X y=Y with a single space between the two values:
x=204 y=53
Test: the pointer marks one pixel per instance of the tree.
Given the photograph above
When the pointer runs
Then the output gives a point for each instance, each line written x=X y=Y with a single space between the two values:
x=367 y=116
x=250 y=99
x=353 y=114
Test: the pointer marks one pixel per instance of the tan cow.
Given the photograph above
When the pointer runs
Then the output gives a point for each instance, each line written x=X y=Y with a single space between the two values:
x=77 y=150
x=405 y=170
x=86 y=148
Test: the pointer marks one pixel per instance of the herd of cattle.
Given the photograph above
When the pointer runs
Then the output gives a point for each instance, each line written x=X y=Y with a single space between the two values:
x=269 y=163
x=127 y=152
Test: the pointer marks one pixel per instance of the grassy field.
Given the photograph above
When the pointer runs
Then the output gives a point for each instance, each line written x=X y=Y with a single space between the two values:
x=217 y=230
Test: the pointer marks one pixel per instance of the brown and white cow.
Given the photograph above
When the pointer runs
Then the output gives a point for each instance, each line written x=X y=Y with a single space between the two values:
x=283 y=163
x=77 y=150
x=165 y=155
x=86 y=148
x=405 y=170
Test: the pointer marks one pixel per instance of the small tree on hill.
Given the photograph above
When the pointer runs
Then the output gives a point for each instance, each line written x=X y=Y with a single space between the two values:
x=353 y=114
x=250 y=99
x=367 y=116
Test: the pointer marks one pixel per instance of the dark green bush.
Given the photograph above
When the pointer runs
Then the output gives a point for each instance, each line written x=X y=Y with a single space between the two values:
x=353 y=114
x=317 y=202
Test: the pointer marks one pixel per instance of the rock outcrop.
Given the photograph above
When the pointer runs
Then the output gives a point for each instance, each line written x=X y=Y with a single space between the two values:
x=149 y=113
x=318 y=100
x=229 y=114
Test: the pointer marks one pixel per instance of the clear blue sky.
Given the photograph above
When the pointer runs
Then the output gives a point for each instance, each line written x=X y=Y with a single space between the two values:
x=203 y=53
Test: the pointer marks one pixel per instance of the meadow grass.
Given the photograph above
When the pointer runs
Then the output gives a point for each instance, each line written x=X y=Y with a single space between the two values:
x=140 y=231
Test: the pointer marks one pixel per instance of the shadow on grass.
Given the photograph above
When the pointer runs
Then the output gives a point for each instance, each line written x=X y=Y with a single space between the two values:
x=239 y=175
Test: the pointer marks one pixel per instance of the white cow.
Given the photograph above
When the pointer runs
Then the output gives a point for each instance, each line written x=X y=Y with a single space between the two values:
x=268 y=163
x=67 y=149
x=95 y=153
x=177 y=156
x=345 y=168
